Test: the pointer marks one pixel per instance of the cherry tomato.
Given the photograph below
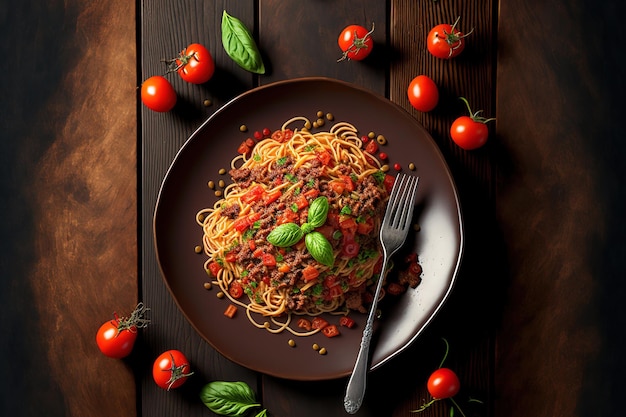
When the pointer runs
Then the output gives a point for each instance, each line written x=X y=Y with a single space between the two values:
x=423 y=93
x=171 y=369
x=443 y=383
x=356 y=42
x=158 y=94
x=115 y=342
x=446 y=41
x=470 y=132
x=116 y=338
x=194 y=64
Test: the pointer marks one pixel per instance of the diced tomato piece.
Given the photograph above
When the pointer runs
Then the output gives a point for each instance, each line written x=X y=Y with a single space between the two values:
x=230 y=257
x=366 y=227
x=349 y=184
x=333 y=219
x=268 y=260
x=324 y=157
x=331 y=330
x=394 y=288
x=272 y=196
x=258 y=253
x=388 y=182
x=214 y=268
x=334 y=292
x=327 y=231
x=243 y=149
x=278 y=136
x=337 y=186
x=288 y=216
x=230 y=311
x=312 y=193
x=241 y=224
x=304 y=324
x=348 y=225
x=330 y=281
x=235 y=289
x=310 y=273
x=346 y=322
x=252 y=245
x=288 y=134
x=319 y=323
x=253 y=195
x=284 y=268
x=301 y=202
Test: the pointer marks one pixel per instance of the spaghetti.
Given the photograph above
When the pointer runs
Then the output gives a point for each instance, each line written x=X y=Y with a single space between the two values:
x=296 y=230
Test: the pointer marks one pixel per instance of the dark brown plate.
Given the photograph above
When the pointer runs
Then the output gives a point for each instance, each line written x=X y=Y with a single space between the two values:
x=184 y=191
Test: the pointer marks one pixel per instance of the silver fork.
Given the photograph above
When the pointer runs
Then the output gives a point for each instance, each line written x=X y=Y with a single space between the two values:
x=393 y=232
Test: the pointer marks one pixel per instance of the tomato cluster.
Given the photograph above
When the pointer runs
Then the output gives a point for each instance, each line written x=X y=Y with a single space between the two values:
x=194 y=64
x=116 y=339
x=445 y=41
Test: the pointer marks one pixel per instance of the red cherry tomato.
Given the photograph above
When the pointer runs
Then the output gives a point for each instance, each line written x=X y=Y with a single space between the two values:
x=356 y=42
x=113 y=342
x=116 y=338
x=158 y=94
x=194 y=64
x=446 y=41
x=470 y=132
x=443 y=383
x=171 y=369
x=423 y=93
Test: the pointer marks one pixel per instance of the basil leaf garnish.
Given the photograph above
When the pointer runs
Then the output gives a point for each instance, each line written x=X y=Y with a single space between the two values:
x=286 y=234
x=240 y=45
x=319 y=248
x=318 y=211
x=228 y=398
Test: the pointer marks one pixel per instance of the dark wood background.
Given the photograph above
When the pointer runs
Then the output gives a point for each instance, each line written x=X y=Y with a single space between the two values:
x=535 y=322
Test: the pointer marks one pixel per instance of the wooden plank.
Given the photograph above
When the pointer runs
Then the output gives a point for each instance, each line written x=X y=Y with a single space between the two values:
x=299 y=46
x=166 y=28
x=68 y=203
x=467 y=318
x=560 y=110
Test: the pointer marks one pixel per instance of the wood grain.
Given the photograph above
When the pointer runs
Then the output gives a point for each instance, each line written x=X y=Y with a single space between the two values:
x=69 y=205
x=558 y=112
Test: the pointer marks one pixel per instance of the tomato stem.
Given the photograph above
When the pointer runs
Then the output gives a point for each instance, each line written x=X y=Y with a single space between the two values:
x=446 y=353
x=357 y=44
x=476 y=116
x=457 y=407
x=135 y=321
x=177 y=372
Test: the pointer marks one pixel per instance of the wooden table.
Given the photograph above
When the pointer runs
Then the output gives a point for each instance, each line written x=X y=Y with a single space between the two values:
x=535 y=322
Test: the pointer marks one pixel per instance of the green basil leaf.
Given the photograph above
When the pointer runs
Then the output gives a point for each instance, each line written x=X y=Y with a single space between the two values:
x=318 y=211
x=240 y=45
x=319 y=248
x=286 y=234
x=228 y=398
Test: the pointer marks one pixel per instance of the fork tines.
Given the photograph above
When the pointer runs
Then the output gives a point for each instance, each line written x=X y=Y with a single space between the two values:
x=402 y=194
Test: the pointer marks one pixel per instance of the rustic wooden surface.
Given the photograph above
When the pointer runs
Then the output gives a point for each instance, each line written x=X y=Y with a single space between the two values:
x=535 y=322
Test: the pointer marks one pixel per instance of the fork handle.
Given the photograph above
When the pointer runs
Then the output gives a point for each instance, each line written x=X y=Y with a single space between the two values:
x=355 y=391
